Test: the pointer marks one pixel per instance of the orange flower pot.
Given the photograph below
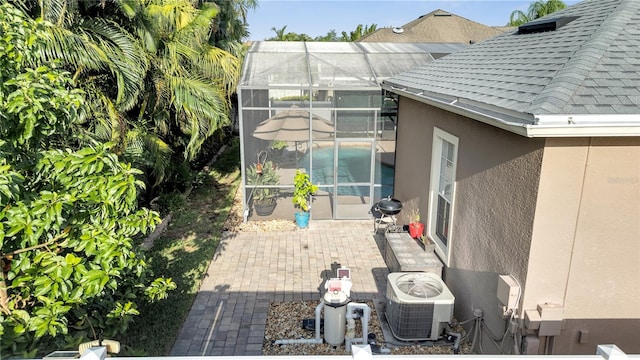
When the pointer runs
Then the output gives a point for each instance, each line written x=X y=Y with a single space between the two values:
x=416 y=229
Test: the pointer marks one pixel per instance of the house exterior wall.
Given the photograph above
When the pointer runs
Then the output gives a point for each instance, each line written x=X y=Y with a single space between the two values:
x=585 y=253
x=496 y=187
x=560 y=215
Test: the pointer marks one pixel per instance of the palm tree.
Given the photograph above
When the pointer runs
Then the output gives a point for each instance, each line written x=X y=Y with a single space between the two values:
x=230 y=26
x=537 y=9
x=359 y=32
x=97 y=50
x=280 y=33
x=189 y=81
x=331 y=36
x=108 y=64
x=154 y=84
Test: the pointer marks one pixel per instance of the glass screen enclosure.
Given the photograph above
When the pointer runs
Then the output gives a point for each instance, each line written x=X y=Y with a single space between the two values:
x=319 y=107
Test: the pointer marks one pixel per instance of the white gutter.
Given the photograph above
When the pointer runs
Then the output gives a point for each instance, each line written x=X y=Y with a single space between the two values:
x=601 y=130
x=535 y=126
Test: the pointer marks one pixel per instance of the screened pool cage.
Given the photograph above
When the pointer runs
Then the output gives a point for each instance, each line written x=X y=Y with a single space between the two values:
x=319 y=107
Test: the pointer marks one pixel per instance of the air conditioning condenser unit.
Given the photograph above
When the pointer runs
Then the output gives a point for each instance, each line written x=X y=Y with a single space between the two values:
x=419 y=305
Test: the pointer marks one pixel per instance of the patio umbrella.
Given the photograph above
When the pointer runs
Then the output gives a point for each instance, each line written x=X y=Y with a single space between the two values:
x=293 y=125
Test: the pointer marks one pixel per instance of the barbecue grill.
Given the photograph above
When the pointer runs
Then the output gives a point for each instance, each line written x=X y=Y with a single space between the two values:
x=387 y=209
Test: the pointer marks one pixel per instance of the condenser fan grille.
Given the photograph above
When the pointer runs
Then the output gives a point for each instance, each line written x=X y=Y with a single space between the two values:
x=419 y=286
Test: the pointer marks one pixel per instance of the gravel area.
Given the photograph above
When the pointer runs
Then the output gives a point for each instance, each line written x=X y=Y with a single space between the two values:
x=235 y=221
x=284 y=322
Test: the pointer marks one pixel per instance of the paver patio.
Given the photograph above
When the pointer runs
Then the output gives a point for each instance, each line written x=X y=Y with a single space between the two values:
x=251 y=270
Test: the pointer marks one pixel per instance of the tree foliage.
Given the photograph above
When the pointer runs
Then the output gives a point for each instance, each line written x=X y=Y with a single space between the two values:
x=69 y=270
x=158 y=74
x=283 y=35
x=230 y=25
x=537 y=9
x=359 y=32
x=355 y=35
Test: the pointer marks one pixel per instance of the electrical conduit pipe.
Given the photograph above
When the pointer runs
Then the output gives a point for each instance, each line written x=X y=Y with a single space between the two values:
x=316 y=340
x=351 y=315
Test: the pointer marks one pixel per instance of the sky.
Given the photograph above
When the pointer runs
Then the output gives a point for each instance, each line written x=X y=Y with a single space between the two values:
x=317 y=18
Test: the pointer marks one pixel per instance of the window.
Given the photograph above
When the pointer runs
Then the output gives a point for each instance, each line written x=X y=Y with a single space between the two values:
x=443 y=176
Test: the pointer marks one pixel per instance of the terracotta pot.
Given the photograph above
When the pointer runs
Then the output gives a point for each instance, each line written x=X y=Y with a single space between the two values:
x=416 y=229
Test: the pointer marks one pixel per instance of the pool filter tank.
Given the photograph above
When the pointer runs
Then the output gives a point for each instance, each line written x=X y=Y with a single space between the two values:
x=335 y=307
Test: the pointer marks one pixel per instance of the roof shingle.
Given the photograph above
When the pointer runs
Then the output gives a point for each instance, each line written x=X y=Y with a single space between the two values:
x=589 y=66
x=437 y=26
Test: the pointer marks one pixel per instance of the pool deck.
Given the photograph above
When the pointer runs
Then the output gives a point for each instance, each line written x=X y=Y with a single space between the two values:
x=249 y=270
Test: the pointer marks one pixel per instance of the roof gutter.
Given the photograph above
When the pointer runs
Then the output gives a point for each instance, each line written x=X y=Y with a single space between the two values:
x=533 y=126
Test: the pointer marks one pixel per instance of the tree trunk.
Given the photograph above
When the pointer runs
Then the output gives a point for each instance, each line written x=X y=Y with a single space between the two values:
x=4 y=296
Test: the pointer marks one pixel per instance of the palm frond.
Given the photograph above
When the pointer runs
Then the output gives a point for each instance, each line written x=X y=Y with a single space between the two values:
x=108 y=124
x=203 y=108
x=146 y=150
x=220 y=65
x=58 y=12
x=197 y=31
x=130 y=8
x=517 y=18
x=171 y=17
x=72 y=48
x=128 y=62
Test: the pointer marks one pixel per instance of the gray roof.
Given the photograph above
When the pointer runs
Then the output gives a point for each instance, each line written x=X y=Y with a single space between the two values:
x=438 y=26
x=589 y=66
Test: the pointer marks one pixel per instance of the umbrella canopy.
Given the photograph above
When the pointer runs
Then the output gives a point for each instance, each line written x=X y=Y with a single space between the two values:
x=293 y=125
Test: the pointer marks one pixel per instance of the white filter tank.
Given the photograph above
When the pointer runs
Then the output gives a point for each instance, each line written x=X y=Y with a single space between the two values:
x=335 y=320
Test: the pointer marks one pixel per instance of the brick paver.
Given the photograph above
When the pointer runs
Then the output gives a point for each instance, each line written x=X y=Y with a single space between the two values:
x=250 y=270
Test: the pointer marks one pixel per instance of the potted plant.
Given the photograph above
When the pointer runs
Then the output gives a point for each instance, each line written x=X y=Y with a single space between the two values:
x=303 y=189
x=264 y=199
x=277 y=147
x=429 y=246
x=416 y=227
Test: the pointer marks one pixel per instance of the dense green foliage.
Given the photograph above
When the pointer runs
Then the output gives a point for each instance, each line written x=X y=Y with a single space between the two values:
x=158 y=75
x=360 y=32
x=355 y=35
x=537 y=9
x=184 y=252
x=69 y=270
x=230 y=25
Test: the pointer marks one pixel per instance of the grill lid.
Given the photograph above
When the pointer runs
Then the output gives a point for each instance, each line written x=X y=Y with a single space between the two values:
x=389 y=206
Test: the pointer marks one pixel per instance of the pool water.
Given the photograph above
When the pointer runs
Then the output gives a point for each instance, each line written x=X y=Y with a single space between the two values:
x=353 y=167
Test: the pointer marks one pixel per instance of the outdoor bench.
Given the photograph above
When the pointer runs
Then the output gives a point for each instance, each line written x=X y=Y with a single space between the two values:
x=402 y=253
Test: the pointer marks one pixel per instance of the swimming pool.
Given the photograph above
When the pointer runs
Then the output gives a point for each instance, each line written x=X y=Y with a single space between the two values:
x=354 y=165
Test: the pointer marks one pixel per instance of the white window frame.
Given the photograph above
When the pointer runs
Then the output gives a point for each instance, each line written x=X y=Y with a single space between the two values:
x=438 y=182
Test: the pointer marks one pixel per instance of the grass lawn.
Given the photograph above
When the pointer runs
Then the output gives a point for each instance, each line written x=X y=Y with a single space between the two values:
x=183 y=253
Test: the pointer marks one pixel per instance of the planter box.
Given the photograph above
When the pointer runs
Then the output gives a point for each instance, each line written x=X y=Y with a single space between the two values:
x=403 y=253
x=428 y=245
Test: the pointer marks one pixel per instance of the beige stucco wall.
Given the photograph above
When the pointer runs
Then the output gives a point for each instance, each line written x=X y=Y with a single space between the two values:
x=585 y=253
x=560 y=215
x=496 y=186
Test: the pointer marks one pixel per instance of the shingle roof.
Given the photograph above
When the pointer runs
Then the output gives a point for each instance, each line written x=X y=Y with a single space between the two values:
x=437 y=26
x=589 y=66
